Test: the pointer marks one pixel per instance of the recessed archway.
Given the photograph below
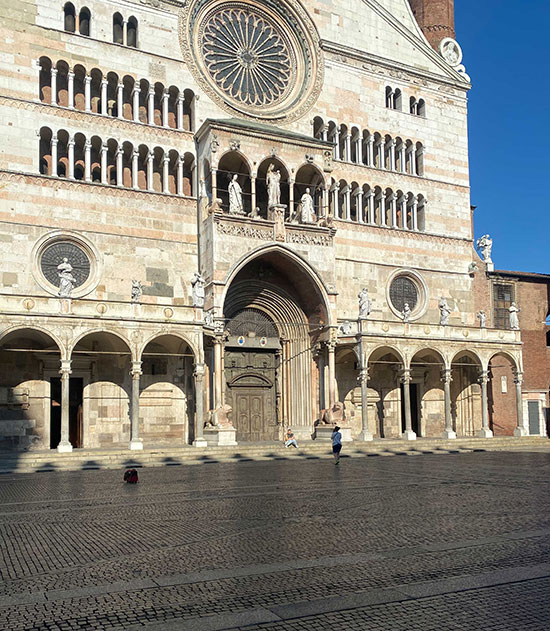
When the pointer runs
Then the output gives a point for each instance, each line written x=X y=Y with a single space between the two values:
x=385 y=365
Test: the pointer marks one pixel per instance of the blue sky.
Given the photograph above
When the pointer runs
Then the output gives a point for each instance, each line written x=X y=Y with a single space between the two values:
x=507 y=55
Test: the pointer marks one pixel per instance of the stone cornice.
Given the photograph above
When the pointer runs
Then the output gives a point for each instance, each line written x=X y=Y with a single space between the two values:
x=116 y=127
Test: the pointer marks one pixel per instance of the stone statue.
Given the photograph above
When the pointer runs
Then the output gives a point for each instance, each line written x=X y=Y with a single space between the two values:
x=473 y=268
x=209 y=319
x=197 y=283
x=137 y=290
x=215 y=206
x=346 y=328
x=66 y=279
x=406 y=313
x=273 y=183
x=255 y=213
x=235 y=196
x=307 y=209
x=220 y=417
x=514 y=320
x=444 y=312
x=364 y=303
x=333 y=416
x=482 y=317
x=485 y=244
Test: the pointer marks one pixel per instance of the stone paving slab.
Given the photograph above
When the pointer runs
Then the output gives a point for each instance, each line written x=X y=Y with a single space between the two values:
x=296 y=543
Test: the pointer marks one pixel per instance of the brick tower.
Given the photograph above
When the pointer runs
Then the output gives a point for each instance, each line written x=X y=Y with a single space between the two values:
x=436 y=18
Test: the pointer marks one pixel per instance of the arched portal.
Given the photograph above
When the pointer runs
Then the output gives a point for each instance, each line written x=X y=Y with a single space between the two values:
x=466 y=399
x=385 y=366
x=502 y=397
x=29 y=362
x=275 y=313
x=427 y=394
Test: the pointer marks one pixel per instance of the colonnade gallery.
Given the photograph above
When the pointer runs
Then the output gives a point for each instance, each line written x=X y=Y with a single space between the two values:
x=222 y=219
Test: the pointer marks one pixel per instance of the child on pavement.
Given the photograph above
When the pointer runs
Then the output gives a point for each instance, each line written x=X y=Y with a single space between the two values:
x=336 y=444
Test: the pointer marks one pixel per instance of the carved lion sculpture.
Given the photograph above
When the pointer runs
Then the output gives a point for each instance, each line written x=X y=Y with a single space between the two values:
x=220 y=417
x=334 y=415
x=215 y=206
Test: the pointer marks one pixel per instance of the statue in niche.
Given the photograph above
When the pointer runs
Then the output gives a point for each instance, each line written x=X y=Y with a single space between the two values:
x=485 y=244
x=364 y=303
x=406 y=313
x=306 y=207
x=66 y=279
x=514 y=320
x=197 y=283
x=273 y=183
x=137 y=290
x=482 y=317
x=235 y=196
x=444 y=312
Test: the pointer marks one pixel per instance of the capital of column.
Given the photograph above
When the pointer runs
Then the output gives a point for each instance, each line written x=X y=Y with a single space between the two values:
x=65 y=368
x=166 y=158
x=405 y=376
x=483 y=377
x=518 y=377
x=136 y=89
x=363 y=375
x=199 y=371
x=136 y=370
x=104 y=147
x=446 y=375
x=70 y=142
x=151 y=91
x=88 y=145
x=87 y=79
x=54 y=71
x=120 y=85
x=150 y=156
x=54 y=141
x=104 y=83
x=70 y=74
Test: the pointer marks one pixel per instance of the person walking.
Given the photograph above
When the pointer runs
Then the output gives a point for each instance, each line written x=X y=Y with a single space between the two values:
x=336 y=444
x=290 y=440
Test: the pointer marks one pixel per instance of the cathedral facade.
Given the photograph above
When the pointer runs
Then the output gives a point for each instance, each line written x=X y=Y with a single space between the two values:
x=222 y=218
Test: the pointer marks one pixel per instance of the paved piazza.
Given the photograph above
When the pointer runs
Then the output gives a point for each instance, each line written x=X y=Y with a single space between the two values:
x=427 y=542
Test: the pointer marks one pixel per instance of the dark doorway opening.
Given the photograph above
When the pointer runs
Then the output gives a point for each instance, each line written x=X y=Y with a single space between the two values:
x=415 y=412
x=76 y=387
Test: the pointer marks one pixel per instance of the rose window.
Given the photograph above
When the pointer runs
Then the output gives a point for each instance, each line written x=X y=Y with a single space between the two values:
x=247 y=56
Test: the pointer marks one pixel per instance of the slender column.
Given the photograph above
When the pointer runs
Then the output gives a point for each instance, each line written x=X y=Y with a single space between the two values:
x=331 y=347
x=420 y=158
x=520 y=430
x=104 y=84
x=135 y=442
x=359 y=205
x=125 y=32
x=370 y=207
x=165 y=165
x=449 y=433
x=393 y=205
x=382 y=199
x=412 y=160
x=323 y=210
x=403 y=157
x=70 y=158
x=336 y=141
x=359 y=149
x=119 y=175
x=120 y=100
x=291 y=196
x=53 y=86
x=179 y=111
x=87 y=93
x=335 y=210
x=484 y=432
x=70 y=84
x=370 y=151
x=347 y=203
x=253 y=193
x=392 y=154
x=65 y=372
x=403 y=204
x=365 y=434
x=165 y=96
x=347 y=147
x=88 y=161
x=414 y=213
x=214 y=184
x=54 y=156
x=135 y=103
x=324 y=133
x=218 y=370
x=179 y=184
x=135 y=157
x=408 y=434
x=104 y=149
x=150 y=158
x=382 y=154
x=198 y=374
x=151 y=106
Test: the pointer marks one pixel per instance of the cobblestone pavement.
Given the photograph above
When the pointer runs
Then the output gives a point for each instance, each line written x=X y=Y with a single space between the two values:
x=413 y=543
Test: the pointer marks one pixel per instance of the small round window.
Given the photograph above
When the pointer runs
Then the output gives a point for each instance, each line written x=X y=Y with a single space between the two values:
x=55 y=254
x=403 y=291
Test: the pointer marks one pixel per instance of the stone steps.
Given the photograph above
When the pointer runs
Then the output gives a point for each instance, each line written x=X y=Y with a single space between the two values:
x=83 y=459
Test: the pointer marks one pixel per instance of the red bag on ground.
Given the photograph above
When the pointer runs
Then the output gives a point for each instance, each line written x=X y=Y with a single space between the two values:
x=131 y=476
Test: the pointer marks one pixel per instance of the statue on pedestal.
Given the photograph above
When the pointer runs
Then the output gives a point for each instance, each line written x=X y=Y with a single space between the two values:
x=364 y=303
x=482 y=317
x=197 y=283
x=485 y=244
x=273 y=184
x=66 y=279
x=406 y=313
x=444 y=312
x=514 y=320
x=137 y=290
x=307 y=210
x=235 y=196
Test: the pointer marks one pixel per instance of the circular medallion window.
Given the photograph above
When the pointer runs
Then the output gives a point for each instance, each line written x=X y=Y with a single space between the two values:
x=66 y=264
x=407 y=287
x=260 y=61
